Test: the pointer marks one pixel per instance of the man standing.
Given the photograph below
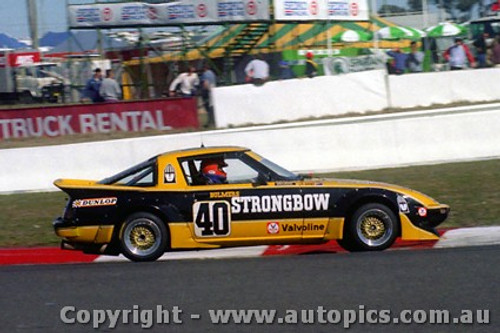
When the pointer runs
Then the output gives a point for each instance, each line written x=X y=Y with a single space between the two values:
x=415 y=59
x=458 y=54
x=208 y=82
x=92 y=87
x=110 y=89
x=257 y=70
x=481 y=46
x=311 y=65
x=188 y=82
x=400 y=58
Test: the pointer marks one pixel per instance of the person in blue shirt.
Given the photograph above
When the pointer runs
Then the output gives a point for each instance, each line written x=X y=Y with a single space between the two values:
x=92 y=87
x=400 y=60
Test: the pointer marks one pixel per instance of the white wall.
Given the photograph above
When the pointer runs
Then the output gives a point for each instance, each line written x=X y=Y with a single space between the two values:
x=368 y=142
x=361 y=92
x=300 y=98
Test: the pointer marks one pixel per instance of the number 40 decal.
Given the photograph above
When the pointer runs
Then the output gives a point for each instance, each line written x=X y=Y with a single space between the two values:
x=212 y=219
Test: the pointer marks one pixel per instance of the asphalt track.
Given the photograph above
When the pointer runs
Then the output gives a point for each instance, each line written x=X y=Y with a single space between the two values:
x=452 y=279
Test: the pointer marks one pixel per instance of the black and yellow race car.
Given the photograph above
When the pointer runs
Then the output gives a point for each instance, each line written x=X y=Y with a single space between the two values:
x=230 y=196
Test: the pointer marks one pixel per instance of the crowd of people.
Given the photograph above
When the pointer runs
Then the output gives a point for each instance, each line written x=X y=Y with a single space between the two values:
x=483 y=52
x=191 y=82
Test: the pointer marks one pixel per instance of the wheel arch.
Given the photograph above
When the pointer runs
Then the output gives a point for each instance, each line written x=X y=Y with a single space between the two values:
x=380 y=198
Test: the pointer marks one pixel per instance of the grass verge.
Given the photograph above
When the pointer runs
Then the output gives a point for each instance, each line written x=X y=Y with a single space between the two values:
x=472 y=189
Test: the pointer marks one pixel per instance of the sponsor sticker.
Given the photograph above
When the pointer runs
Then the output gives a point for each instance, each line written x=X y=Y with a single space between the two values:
x=422 y=212
x=169 y=174
x=273 y=228
x=403 y=205
x=95 y=202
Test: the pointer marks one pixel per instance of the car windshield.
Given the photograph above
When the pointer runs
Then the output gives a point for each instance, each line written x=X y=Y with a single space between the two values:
x=139 y=175
x=280 y=171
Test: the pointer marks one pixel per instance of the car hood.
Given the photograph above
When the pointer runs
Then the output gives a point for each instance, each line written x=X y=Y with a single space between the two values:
x=355 y=183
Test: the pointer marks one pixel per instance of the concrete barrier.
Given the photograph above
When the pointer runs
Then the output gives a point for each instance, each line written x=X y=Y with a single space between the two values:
x=419 y=137
x=350 y=93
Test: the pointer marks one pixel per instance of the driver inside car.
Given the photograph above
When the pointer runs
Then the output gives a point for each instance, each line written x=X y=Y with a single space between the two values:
x=212 y=170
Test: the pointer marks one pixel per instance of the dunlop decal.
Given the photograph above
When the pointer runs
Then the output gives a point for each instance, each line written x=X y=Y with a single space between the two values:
x=96 y=202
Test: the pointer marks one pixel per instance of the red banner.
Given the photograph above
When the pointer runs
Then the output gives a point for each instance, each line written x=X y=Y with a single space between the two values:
x=19 y=58
x=164 y=114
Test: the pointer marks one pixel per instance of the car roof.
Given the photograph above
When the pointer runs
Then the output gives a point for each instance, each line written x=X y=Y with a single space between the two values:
x=204 y=151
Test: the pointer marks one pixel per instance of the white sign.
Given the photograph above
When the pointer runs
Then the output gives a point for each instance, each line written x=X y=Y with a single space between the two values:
x=174 y=13
x=310 y=10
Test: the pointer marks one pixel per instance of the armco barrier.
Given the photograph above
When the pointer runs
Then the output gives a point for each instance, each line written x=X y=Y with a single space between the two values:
x=418 y=137
x=354 y=92
x=136 y=116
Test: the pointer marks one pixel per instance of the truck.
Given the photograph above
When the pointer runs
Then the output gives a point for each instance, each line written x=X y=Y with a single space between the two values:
x=25 y=78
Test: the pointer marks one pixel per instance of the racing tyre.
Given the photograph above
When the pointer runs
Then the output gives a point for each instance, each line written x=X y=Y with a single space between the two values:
x=143 y=237
x=372 y=227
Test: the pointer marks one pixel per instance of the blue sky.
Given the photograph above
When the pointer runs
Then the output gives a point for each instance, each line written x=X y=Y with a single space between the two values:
x=52 y=15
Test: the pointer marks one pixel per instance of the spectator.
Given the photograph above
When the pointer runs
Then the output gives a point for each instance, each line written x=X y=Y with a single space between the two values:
x=415 y=59
x=92 y=87
x=400 y=59
x=187 y=82
x=208 y=82
x=110 y=89
x=481 y=46
x=458 y=54
x=257 y=70
x=311 y=65
x=285 y=70
x=495 y=51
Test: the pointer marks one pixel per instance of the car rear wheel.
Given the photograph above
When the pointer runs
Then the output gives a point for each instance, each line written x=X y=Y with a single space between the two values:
x=143 y=237
x=372 y=227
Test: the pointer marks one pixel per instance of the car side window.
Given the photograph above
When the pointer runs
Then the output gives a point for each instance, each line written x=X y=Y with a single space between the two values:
x=237 y=171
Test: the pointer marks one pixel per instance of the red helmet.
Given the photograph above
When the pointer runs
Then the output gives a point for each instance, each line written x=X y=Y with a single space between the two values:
x=309 y=55
x=212 y=170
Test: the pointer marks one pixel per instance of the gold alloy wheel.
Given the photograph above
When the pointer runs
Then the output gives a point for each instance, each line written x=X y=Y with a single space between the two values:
x=372 y=227
x=142 y=238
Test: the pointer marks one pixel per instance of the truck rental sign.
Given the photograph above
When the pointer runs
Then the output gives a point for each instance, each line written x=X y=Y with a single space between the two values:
x=99 y=118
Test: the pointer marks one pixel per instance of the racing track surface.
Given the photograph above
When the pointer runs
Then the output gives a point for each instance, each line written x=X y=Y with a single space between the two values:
x=452 y=279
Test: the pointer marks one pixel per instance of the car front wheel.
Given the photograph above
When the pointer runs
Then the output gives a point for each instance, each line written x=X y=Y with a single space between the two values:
x=143 y=237
x=372 y=227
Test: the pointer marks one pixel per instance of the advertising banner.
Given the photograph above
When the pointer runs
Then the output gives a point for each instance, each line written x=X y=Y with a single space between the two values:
x=19 y=58
x=165 y=114
x=343 y=65
x=174 y=13
x=310 y=10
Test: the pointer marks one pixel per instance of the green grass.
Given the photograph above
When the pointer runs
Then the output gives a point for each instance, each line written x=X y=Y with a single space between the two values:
x=472 y=190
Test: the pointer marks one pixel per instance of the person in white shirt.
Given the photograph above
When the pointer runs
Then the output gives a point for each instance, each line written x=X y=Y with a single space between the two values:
x=188 y=82
x=257 y=70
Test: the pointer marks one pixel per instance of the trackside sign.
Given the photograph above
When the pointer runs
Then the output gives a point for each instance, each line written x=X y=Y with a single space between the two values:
x=99 y=118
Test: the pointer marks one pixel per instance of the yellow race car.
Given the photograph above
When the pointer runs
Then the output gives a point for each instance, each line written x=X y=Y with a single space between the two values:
x=230 y=196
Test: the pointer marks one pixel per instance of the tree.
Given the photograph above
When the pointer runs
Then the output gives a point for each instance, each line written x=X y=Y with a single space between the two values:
x=459 y=9
x=390 y=9
x=415 y=5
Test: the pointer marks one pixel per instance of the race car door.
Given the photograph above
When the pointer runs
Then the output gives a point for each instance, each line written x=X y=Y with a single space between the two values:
x=241 y=211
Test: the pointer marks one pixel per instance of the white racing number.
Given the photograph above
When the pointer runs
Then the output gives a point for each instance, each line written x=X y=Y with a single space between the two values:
x=212 y=219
